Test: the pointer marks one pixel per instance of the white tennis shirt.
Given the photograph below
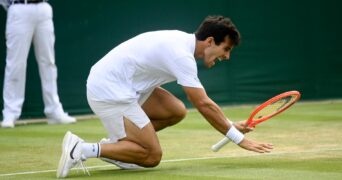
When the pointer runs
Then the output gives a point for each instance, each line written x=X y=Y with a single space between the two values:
x=143 y=63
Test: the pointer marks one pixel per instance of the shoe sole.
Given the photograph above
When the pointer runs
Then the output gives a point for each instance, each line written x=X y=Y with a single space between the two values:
x=122 y=165
x=67 y=140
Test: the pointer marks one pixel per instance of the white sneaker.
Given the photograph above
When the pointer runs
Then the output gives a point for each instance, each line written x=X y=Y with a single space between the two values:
x=7 y=123
x=62 y=119
x=71 y=155
x=121 y=165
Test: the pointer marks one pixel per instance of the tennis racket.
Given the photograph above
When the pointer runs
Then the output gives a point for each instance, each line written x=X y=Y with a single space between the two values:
x=265 y=111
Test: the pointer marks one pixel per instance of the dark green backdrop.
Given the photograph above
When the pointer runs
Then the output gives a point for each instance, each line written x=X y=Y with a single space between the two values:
x=286 y=45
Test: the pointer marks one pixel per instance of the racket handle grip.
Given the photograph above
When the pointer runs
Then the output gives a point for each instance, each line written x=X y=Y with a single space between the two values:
x=220 y=144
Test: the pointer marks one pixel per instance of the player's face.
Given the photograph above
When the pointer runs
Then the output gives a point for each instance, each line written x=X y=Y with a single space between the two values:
x=214 y=53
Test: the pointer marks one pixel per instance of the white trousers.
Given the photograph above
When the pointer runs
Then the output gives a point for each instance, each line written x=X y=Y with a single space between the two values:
x=28 y=23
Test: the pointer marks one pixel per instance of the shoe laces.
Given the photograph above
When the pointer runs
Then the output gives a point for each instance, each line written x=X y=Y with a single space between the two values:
x=79 y=165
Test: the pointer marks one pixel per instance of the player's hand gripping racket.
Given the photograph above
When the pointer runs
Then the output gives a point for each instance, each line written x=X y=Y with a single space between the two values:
x=265 y=111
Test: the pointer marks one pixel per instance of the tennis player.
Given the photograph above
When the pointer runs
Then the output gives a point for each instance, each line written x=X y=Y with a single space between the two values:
x=123 y=89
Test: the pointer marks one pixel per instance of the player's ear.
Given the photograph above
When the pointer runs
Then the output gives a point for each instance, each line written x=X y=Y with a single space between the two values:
x=209 y=41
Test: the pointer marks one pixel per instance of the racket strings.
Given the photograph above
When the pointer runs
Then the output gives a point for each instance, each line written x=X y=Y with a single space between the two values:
x=275 y=107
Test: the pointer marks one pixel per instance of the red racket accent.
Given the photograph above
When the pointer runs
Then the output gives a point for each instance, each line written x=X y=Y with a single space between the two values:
x=286 y=100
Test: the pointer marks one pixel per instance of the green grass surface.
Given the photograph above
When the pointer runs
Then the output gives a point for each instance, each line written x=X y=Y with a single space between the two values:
x=307 y=139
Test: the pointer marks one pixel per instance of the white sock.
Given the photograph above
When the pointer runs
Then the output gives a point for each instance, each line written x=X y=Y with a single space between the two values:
x=91 y=150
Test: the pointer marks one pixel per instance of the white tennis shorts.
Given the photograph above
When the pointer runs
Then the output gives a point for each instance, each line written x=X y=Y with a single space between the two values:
x=112 y=115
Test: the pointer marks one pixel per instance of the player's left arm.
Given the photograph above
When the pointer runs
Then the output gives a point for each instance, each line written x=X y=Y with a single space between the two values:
x=214 y=115
x=208 y=108
x=211 y=111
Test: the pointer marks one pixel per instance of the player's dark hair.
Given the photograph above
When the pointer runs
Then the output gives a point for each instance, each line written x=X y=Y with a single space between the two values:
x=218 y=27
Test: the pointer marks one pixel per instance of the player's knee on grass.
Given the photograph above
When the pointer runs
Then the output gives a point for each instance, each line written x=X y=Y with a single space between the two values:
x=153 y=158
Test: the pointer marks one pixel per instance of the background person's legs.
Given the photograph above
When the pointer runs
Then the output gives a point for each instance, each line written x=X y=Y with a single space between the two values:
x=19 y=32
x=44 y=40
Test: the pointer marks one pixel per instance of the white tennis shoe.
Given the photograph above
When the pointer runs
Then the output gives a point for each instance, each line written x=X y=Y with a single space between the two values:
x=7 y=123
x=71 y=155
x=121 y=165
x=63 y=118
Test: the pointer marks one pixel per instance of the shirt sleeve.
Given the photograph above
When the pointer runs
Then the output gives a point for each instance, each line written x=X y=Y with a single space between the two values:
x=185 y=71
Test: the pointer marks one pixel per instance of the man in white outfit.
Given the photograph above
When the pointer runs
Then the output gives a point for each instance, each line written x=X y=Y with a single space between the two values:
x=123 y=89
x=30 y=21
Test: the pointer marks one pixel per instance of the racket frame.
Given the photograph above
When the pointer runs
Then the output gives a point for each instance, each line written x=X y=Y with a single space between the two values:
x=252 y=123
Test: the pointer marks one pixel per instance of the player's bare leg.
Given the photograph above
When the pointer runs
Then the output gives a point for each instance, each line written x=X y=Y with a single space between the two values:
x=164 y=109
x=141 y=146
